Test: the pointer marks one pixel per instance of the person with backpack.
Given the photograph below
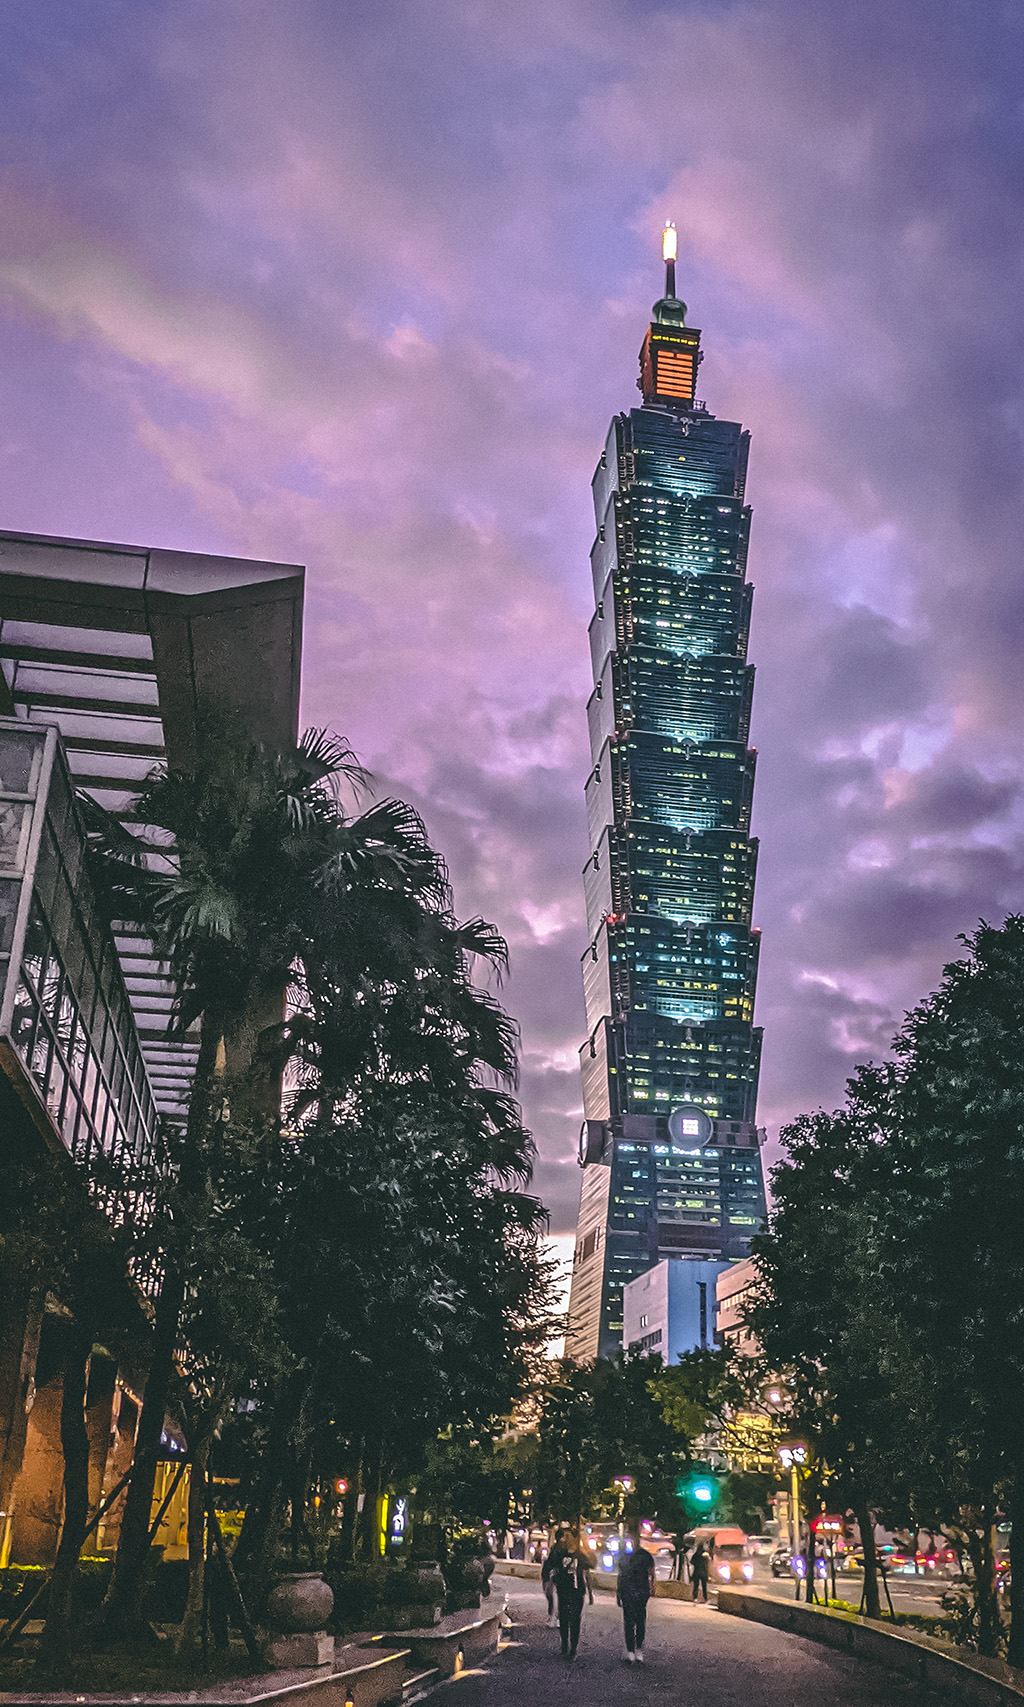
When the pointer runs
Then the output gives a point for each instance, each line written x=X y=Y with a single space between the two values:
x=572 y=1585
x=635 y=1587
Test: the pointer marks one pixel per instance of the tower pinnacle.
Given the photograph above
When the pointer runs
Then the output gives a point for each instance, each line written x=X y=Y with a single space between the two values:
x=669 y=245
x=671 y=350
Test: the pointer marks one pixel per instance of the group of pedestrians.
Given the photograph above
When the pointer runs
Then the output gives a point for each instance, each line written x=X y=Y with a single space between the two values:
x=567 y=1580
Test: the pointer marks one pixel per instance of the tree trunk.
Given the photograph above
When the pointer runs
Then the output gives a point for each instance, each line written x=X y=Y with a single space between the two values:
x=989 y=1621
x=57 y=1644
x=190 y=1634
x=123 y=1605
x=249 y=1557
x=865 y=1523
x=1015 y=1652
x=981 y=1547
x=123 y=1608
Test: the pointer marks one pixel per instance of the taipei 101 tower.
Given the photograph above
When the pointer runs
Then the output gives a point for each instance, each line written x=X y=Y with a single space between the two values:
x=669 y=1148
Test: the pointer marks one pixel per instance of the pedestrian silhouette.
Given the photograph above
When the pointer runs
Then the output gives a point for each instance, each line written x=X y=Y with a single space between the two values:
x=547 y=1575
x=699 y=1563
x=572 y=1585
x=635 y=1587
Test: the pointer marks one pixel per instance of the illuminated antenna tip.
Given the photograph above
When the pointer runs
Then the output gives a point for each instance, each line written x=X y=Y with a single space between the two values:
x=669 y=242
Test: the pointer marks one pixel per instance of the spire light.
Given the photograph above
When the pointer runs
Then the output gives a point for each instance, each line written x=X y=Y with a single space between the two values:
x=669 y=242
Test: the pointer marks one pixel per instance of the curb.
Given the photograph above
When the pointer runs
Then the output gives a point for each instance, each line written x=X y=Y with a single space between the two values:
x=990 y=1683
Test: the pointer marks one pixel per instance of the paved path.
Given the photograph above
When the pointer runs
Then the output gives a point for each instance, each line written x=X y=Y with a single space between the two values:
x=696 y=1657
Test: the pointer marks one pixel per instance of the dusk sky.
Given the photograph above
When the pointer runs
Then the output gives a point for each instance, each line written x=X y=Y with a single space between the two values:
x=360 y=285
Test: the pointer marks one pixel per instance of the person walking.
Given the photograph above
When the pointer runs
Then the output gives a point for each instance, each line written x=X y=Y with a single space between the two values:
x=635 y=1587
x=572 y=1584
x=699 y=1563
x=547 y=1575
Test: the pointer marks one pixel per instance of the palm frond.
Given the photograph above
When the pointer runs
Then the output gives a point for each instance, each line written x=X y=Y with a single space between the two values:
x=477 y=937
x=323 y=755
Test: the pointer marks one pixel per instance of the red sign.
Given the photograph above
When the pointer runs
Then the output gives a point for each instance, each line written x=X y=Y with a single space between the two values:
x=825 y=1525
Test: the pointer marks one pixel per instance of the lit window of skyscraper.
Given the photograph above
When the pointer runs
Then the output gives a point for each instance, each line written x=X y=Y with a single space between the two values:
x=670 y=1150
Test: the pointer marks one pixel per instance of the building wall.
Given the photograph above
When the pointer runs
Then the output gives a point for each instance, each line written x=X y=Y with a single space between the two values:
x=735 y=1286
x=68 y=1042
x=671 y=1309
x=111 y=657
x=127 y=650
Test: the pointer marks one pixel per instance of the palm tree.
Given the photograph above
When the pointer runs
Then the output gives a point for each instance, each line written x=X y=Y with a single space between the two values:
x=266 y=863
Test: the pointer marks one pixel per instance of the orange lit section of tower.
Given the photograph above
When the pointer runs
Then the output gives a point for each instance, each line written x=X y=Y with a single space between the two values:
x=671 y=353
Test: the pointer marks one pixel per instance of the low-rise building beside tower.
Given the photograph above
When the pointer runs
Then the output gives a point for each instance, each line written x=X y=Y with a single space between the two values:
x=111 y=657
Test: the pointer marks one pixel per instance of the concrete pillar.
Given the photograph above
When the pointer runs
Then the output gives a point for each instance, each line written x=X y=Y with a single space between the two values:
x=39 y=1488
x=20 y=1320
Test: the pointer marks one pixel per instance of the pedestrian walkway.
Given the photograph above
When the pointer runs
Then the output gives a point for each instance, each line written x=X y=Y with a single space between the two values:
x=695 y=1657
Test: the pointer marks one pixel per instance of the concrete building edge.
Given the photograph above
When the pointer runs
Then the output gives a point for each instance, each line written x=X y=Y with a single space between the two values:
x=912 y=1654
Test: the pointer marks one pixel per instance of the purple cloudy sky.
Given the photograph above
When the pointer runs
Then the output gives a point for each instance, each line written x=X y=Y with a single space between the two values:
x=359 y=285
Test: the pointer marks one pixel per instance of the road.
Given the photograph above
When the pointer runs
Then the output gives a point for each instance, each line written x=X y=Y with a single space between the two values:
x=909 y=1594
x=695 y=1654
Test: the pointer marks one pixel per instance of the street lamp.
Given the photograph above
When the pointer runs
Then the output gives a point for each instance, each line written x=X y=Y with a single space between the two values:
x=793 y=1455
x=625 y=1486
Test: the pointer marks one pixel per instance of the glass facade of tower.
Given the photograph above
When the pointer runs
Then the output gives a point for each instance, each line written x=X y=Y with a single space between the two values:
x=670 y=1149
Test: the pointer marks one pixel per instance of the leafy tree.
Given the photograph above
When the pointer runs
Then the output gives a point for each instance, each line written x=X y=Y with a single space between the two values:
x=894 y=1269
x=720 y=1397
x=954 y=1241
x=416 y=1297
x=469 y=1480
x=822 y=1313
x=605 y=1420
x=274 y=888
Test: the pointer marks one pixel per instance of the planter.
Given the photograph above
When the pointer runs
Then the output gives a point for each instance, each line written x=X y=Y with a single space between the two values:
x=420 y=1617
x=428 y=1581
x=300 y=1602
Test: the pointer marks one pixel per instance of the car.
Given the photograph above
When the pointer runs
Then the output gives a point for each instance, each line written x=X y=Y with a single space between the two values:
x=759 y=1545
x=783 y=1564
x=729 y=1565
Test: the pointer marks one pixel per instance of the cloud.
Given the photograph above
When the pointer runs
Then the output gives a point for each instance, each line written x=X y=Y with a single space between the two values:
x=285 y=282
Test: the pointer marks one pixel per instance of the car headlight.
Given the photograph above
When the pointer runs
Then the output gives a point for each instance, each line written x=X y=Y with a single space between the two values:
x=723 y=1571
x=748 y=1572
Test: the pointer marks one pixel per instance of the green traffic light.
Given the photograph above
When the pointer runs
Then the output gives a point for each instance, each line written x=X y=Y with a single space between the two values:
x=700 y=1489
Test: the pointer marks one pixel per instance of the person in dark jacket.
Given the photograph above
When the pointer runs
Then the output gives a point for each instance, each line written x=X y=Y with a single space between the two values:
x=699 y=1564
x=635 y=1587
x=547 y=1575
x=572 y=1584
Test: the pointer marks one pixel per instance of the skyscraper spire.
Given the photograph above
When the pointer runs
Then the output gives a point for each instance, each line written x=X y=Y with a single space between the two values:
x=671 y=354
x=668 y=254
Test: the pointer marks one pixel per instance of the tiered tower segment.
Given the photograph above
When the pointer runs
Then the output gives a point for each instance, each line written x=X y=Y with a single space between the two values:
x=669 y=1146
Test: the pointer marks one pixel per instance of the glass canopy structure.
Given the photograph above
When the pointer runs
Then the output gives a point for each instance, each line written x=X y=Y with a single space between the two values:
x=669 y=1148
x=123 y=649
